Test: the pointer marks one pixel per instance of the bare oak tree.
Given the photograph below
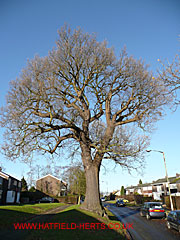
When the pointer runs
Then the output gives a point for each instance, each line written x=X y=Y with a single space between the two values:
x=81 y=93
x=170 y=74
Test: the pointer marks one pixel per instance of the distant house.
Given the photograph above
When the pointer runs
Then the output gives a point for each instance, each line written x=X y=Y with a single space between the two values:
x=157 y=188
x=160 y=187
x=51 y=185
x=146 y=189
x=130 y=190
x=117 y=193
x=10 y=189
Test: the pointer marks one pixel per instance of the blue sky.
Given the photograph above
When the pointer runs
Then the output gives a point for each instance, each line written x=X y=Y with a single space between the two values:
x=149 y=29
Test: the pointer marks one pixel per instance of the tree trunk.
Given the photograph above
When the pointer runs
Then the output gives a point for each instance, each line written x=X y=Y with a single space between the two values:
x=92 y=199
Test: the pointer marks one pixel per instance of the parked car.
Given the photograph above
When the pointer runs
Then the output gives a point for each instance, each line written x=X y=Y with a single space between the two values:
x=173 y=220
x=125 y=200
x=120 y=203
x=46 y=200
x=82 y=199
x=103 y=199
x=152 y=210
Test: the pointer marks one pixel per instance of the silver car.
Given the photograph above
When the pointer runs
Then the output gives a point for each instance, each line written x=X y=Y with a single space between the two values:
x=152 y=210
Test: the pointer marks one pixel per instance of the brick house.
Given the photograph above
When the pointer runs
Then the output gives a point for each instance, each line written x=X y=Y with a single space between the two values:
x=51 y=185
x=10 y=189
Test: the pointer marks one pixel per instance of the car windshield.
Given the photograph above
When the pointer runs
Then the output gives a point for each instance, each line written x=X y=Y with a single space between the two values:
x=155 y=205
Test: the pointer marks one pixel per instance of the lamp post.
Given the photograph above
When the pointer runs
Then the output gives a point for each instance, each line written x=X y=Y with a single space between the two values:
x=167 y=179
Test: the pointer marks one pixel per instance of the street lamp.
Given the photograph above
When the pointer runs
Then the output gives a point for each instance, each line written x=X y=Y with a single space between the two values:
x=166 y=175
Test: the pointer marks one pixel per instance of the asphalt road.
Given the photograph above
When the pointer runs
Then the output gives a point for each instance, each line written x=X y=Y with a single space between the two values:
x=143 y=229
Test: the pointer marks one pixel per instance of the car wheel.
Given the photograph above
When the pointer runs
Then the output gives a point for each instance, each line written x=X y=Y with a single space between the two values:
x=147 y=216
x=168 y=225
x=141 y=214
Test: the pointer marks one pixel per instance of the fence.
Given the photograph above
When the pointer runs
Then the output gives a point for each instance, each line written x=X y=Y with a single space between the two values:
x=139 y=199
x=175 y=200
x=31 y=197
x=68 y=199
x=130 y=198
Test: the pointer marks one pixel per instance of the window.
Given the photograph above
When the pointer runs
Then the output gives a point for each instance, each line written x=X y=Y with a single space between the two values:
x=19 y=184
x=9 y=183
x=15 y=183
x=175 y=216
x=155 y=205
x=1 y=194
x=173 y=190
x=1 y=182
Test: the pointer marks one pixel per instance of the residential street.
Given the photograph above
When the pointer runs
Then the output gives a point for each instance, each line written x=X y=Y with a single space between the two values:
x=154 y=229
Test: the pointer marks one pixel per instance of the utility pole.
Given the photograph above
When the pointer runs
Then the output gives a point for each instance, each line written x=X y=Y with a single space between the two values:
x=167 y=179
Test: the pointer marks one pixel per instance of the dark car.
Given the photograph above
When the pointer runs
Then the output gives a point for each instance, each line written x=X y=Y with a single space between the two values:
x=120 y=203
x=46 y=200
x=173 y=220
x=152 y=210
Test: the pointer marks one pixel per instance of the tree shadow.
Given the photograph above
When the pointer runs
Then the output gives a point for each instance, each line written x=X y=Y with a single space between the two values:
x=70 y=224
x=113 y=218
x=8 y=217
x=75 y=224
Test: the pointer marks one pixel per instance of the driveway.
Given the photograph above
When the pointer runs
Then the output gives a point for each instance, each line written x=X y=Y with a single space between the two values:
x=143 y=229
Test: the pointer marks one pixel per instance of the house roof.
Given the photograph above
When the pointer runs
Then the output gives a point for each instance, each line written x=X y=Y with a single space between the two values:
x=49 y=175
x=6 y=176
x=157 y=182
x=177 y=180
x=164 y=180
x=145 y=185
x=131 y=187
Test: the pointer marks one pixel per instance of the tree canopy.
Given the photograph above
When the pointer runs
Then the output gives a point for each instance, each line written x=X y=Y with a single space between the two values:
x=75 y=177
x=170 y=74
x=122 y=190
x=24 y=184
x=83 y=95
